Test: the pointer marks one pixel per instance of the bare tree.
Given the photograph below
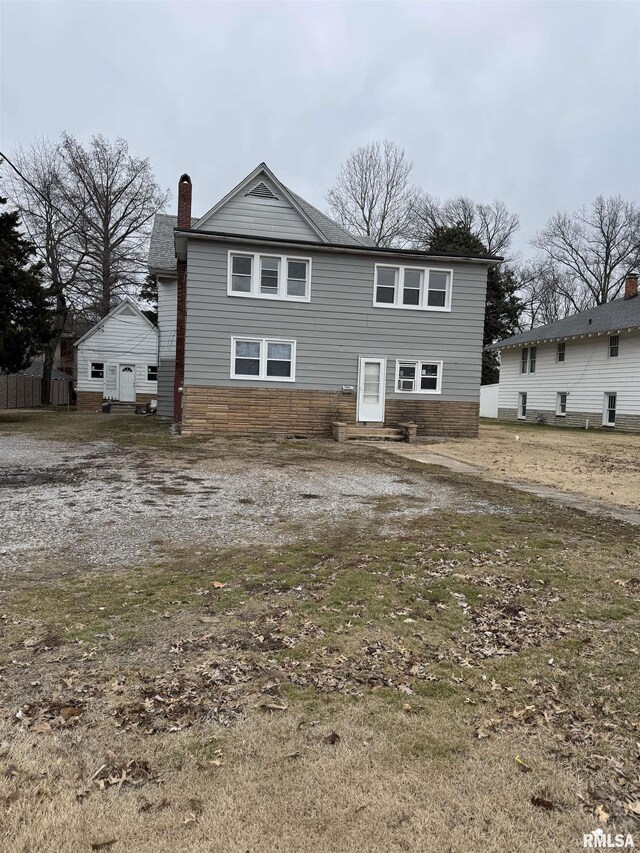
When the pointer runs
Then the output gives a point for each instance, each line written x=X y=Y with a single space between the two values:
x=491 y=223
x=548 y=293
x=596 y=246
x=36 y=189
x=373 y=195
x=115 y=196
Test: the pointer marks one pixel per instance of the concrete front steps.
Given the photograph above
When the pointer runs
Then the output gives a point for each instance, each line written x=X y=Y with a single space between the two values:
x=374 y=432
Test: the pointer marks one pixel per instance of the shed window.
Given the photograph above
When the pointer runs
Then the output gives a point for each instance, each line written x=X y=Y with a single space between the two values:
x=263 y=358
x=614 y=346
x=96 y=370
x=152 y=373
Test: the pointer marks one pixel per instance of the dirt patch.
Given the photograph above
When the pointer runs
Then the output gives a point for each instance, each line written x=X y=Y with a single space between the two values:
x=605 y=467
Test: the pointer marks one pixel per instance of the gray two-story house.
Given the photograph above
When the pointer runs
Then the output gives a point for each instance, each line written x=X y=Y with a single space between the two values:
x=275 y=320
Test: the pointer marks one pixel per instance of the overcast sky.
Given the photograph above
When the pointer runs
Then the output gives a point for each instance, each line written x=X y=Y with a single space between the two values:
x=537 y=104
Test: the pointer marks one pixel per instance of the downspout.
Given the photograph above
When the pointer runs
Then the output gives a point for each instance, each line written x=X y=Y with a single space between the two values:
x=184 y=221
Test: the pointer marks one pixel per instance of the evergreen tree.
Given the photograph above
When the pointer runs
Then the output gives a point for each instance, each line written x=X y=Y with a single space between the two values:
x=503 y=307
x=24 y=316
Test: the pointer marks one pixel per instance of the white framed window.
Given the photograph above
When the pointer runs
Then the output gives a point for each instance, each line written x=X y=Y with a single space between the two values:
x=614 y=346
x=610 y=406
x=561 y=404
x=418 y=377
x=152 y=373
x=528 y=359
x=96 y=370
x=264 y=276
x=561 y=352
x=522 y=405
x=263 y=358
x=418 y=288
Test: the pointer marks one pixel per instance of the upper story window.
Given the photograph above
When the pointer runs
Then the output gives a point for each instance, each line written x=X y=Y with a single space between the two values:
x=561 y=351
x=614 y=346
x=528 y=359
x=263 y=358
x=269 y=276
x=412 y=287
x=419 y=377
x=96 y=370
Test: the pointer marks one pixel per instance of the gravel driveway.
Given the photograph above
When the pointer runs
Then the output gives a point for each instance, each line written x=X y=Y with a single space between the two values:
x=96 y=504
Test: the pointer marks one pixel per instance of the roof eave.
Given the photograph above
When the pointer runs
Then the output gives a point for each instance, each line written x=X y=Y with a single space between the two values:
x=183 y=234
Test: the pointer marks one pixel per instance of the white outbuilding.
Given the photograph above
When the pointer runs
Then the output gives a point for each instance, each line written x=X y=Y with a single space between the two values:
x=117 y=359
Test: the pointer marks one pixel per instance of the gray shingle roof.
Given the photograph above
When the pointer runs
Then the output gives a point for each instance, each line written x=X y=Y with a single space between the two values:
x=36 y=369
x=610 y=317
x=333 y=232
x=162 y=254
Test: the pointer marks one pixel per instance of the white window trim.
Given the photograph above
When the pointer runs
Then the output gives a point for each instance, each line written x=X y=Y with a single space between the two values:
x=527 y=364
x=522 y=394
x=262 y=376
x=156 y=372
x=559 y=412
x=281 y=295
x=605 y=411
x=617 y=355
x=397 y=302
x=418 y=363
x=558 y=359
x=97 y=378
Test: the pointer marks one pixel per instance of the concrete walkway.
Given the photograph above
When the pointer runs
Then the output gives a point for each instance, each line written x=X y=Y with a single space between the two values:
x=557 y=496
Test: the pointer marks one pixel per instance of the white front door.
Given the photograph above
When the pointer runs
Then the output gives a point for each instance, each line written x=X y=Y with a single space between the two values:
x=127 y=383
x=371 y=380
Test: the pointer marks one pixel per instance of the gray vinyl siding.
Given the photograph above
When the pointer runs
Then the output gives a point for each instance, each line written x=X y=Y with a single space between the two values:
x=338 y=325
x=261 y=217
x=167 y=293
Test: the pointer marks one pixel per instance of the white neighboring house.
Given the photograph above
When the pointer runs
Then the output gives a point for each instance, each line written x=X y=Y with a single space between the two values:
x=117 y=359
x=583 y=370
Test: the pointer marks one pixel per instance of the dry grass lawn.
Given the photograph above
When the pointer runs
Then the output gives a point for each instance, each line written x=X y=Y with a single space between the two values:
x=604 y=466
x=469 y=683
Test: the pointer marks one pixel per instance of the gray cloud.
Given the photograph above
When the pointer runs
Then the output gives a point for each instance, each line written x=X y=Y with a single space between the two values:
x=537 y=104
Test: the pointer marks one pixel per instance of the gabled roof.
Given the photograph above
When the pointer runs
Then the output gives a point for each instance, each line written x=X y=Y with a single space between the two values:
x=611 y=317
x=126 y=301
x=325 y=229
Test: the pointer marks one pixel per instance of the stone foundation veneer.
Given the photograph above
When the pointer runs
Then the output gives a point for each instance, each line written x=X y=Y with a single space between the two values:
x=279 y=412
x=624 y=423
x=91 y=401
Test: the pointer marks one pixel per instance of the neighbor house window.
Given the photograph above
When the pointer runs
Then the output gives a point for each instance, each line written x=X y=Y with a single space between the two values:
x=263 y=358
x=152 y=373
x=412 y=287
x=420 y=377
x=614 y=346
x=269 y=276
x=96 y=370
x=610 y=404
x=528 y=360
x=561 y=352
x=522 y=406
x=561 y=404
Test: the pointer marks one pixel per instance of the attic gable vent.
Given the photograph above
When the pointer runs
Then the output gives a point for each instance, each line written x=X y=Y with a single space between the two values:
x=261 y=190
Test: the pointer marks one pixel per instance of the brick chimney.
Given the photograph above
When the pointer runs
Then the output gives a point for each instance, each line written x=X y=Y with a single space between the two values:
x=184 y=221
x=631 y=285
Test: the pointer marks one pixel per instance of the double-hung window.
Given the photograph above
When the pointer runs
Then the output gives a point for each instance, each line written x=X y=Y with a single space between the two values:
x=412 y=287
x=269 y=276
x=419 y=377
x=96 y=370
x=561 y=404
x=263 y=358
x=610 y=406
x=614 y=346
x=528 y=360
x=561 y=351
x=522 y=406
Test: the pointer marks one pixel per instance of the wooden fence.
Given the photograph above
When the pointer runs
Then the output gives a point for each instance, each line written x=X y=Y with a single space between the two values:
x=23 y=392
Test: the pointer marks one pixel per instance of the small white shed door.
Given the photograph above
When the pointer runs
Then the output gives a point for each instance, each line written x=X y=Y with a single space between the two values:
x=371 y=379
x=127 y=383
